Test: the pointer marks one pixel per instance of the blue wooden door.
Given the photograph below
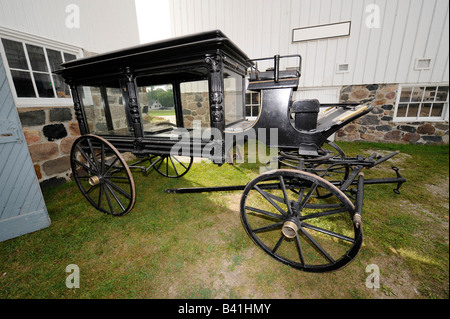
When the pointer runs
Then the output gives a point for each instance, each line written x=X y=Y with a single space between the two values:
x=22 y=206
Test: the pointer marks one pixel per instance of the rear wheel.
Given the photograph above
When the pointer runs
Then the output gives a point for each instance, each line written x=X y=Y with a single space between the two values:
x=102 y=175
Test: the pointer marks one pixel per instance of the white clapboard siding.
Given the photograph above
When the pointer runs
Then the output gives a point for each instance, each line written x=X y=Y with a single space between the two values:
x=104 y=25
x=409 y=29
x=22 y=206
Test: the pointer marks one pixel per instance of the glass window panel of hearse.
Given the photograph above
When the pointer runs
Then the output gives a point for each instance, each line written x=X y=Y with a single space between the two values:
x=105 y=109
x=157 y=106
x=422 y=103
x=233 y=97
x=31 y=67
x=195 y=103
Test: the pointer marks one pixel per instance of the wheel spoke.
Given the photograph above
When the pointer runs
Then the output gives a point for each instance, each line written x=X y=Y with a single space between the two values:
x=100 y=194
x=181 y=163
x=278 y=244
x=108 y=199
x=257 y=210
x=87 y=158
x=117 y=188
x=97 y=164
x=115 y=196
x=317 y=245
x=328 y=232
x=269 y=227
x=85 y=167
x=308 y=196
x=110 y=166
x=299 y=249
x=265 y=195
x=286 y=199
x=322 y=214
x=173 y=164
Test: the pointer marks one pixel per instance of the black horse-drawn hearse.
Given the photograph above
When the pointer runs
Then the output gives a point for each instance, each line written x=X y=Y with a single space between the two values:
x=170 y=101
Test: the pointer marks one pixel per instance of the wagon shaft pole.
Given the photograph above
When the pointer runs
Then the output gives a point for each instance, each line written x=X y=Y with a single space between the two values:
x=399 y=180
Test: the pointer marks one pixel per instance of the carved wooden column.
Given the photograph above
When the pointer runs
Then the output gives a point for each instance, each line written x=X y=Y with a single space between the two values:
x=216 y=100
x=133 y=105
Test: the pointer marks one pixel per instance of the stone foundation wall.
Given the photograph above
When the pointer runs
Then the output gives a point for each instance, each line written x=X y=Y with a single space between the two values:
x=50 y=133
x=378 y=125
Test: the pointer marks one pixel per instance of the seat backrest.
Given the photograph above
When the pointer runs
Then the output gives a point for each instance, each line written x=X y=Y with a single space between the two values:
x=306 y=113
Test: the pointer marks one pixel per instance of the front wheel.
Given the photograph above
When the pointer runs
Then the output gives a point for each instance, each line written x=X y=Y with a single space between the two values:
x=172 y=166
x=284 y=216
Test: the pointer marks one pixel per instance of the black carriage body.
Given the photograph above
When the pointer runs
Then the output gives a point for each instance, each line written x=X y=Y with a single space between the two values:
x=208 y=61
x=206 y=75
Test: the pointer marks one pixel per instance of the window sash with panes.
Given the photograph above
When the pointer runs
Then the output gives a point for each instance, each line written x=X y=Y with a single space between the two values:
x=252 y=104
x=422 y=103
x=31 y=68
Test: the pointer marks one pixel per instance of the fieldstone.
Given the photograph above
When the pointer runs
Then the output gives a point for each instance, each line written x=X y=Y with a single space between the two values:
x=432 y=139
x=66 y=144
x=388 y=87
x=360 y=94
x=387 y=107
x=407 y=128
x=367 y=137
x=32 y=136
x=391 y=95
x=372 y=87
x=32 y=118
x=101 y=127
x=369 y=120
x=60 y=115
x=384 y=128
x=386 y=118
x=54 y=131
x=56 y=166
x=395 y=135
x=442 y=127
x=43 y=151
x=426 y=128
x=344 y=97
x=350 y=128
x=74 y=129
x=376 y=110
x=347 y=89
x=411 y=137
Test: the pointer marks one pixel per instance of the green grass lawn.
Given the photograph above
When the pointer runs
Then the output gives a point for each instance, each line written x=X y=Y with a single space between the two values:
x=194 y=246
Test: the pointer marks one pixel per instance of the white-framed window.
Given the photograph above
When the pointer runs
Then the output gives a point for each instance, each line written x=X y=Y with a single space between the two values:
x=422 y=102
x=252 y=105
x=30 y=62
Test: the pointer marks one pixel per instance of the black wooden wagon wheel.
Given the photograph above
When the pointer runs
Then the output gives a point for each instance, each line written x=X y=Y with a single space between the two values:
x=282 y=214
x=102 y=175
x=172 y=166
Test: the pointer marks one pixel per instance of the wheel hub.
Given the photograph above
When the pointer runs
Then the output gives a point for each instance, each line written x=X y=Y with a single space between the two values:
x=94 y=180
x=290 y=228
